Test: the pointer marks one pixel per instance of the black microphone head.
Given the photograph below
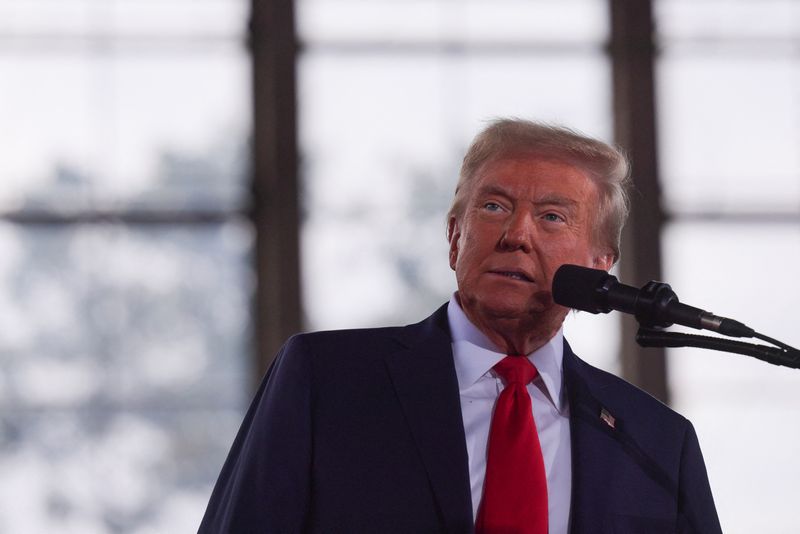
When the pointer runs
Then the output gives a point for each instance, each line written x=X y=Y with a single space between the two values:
x=581 y=288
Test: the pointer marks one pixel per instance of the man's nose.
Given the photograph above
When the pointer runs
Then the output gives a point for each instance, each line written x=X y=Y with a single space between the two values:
x=519 y=232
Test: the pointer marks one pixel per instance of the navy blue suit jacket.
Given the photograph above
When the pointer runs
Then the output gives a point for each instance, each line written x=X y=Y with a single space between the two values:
x=360 y=431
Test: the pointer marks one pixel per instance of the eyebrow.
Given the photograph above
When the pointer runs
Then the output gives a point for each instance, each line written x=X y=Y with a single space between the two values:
x=493 y=189
x=557 y=200
x=551 y=199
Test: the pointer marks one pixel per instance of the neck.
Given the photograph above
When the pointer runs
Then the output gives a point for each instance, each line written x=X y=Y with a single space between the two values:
x=516 y=334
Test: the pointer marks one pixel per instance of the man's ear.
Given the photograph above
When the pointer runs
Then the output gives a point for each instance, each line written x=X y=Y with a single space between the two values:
x=453 y=235
x=604 y=261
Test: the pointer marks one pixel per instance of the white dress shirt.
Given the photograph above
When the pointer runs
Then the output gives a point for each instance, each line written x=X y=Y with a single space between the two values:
x=479 y=388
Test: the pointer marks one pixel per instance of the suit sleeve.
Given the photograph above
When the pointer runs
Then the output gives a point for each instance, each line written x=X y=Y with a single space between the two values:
x=697 y=513
x=264 y=485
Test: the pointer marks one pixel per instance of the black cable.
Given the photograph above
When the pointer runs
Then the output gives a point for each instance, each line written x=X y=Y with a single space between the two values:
x=775 y=342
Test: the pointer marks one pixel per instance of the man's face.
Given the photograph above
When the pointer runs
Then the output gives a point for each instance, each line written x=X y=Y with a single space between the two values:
x=524 y=216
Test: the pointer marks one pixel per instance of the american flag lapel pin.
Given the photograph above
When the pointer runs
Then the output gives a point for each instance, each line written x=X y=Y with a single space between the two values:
x=607 y=417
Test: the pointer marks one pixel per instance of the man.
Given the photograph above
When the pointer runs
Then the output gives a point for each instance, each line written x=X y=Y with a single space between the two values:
x=425 y=429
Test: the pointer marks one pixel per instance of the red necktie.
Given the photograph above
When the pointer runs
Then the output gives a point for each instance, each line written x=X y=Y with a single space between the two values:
x=515 y=489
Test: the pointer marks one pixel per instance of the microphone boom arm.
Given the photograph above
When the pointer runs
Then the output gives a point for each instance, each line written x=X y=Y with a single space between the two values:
x=786 y=356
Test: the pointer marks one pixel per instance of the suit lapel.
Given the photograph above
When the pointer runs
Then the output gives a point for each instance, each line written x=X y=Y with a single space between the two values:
x=605 y=449
x=424 y=379
x=595 y=433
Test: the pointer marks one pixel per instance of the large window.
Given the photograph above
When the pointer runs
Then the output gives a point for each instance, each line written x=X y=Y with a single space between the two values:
x=729 y=88
x=124 y=260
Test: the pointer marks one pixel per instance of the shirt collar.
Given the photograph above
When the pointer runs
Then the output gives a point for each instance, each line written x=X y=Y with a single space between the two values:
x=474 y=355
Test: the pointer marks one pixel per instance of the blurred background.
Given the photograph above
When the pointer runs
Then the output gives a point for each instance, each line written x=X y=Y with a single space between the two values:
x=186 y=183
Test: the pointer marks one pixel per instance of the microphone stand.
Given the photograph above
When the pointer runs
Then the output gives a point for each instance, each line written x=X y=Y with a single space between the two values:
x=656 y=306
x=785 y=355
x=652 y=311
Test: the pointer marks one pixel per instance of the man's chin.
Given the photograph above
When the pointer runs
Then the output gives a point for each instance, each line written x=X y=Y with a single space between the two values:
x=496 y=305
x=515 y=310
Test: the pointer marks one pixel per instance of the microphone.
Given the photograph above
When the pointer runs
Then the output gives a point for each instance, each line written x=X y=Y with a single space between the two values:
x=655 y=305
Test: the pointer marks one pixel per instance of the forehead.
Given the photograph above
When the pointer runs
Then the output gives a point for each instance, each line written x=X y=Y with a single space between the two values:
x=532 y=176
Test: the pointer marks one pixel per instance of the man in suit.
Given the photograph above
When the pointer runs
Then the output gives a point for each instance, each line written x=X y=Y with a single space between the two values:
x=423 y=429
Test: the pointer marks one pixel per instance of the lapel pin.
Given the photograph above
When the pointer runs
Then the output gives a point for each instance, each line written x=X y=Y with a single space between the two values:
x=607 y=418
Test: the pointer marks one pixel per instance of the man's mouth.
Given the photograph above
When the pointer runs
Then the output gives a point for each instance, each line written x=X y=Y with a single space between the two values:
x=514 y=275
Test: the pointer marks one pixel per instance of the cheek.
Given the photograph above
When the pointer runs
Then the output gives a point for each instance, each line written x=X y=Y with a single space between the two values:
x=560 y=245
x=571 y=250
x=462 y=256
x=467 y=255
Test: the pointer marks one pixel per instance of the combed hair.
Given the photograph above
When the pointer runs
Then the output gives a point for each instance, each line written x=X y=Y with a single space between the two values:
x=607 y=166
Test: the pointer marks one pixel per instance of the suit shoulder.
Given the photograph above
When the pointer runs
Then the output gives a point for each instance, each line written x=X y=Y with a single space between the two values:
x=349 y=334
x=625 y=398
x=360 y=341
x=383 y=338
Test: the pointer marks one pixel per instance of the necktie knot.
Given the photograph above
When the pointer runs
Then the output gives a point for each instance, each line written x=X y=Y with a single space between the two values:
x=516 y=370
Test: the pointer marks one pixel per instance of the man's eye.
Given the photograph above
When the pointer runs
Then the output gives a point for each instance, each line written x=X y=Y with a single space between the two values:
x=553 y=217
x=492 y=206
